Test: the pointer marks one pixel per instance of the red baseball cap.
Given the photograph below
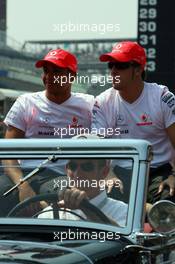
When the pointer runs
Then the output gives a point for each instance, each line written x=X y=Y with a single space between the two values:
x=60 y=58
x=126 y=51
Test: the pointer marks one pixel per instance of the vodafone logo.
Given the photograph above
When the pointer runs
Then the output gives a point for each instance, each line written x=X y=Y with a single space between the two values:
x=53 y=53
x=145 y=120
x=118 y=46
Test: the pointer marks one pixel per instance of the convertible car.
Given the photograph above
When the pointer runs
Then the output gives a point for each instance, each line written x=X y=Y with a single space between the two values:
x=72 y=217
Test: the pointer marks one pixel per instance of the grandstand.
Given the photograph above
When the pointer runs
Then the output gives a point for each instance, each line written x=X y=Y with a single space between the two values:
x=17 y=60
x=17 y=67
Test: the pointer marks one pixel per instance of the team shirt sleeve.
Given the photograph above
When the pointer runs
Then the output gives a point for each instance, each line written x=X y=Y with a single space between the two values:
x=168 y=108
x=104 y=115
x=16 y=115
x=90 y=100
x=99 y=121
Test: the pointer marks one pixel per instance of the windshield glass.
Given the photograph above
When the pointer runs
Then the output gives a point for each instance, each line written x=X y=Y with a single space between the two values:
x=67 y=185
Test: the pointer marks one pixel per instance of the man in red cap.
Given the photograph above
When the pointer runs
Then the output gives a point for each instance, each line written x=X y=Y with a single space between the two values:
x=140 y=110
x=55 y=112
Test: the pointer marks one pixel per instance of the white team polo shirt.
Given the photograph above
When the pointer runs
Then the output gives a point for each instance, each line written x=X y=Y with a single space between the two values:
x=116 y=210
x=146 y=118
x=39 y=117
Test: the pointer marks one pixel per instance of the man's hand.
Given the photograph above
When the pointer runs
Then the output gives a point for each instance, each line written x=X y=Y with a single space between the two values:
x=71 y=198
x=170 y=181
x=114 y=182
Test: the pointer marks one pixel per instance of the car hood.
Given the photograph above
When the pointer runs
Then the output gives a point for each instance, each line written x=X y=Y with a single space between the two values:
x=68 y=252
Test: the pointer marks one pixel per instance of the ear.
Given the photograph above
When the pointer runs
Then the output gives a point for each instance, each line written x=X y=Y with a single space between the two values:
x=138 y=71
x=68 y=172
x=105 y=171
x=43 y=78
x=66 y=169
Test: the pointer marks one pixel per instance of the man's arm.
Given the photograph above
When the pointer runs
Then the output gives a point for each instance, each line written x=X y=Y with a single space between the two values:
x=170 y=181
x=12 y=168
x=72 y=198
x=13 y=132
x=171 y=134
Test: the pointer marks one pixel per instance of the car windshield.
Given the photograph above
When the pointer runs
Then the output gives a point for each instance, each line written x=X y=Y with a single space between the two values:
x=92 y=177
x=89 y=184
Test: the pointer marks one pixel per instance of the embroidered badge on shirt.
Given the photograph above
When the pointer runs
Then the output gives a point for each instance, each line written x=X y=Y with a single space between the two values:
x=74 y=123
x=145 y=120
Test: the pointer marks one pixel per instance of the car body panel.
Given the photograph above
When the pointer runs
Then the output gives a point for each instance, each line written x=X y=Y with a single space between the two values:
x=27 y=248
